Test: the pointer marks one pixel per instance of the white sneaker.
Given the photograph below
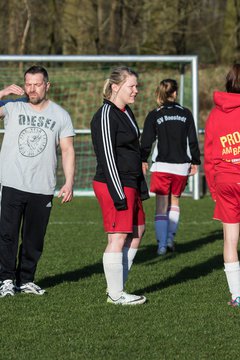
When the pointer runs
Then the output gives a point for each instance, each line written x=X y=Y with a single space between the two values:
x=161 y=250
x=127 y=299
x=170 y=245
x=31 y=288
x=7 y=288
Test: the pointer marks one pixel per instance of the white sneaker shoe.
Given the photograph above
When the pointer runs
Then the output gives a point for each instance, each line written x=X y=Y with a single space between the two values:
x=127 y=299
x=31 y=288
x=170 y=245
x=7 y=288
x=161 y=250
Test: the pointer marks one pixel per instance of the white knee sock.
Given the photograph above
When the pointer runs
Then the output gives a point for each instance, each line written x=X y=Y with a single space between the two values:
x=161 y=226
x=173 y=220
x=232 y=271
x=128 y=256
x=113 y=269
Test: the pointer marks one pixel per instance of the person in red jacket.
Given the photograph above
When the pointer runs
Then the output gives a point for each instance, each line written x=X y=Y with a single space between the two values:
x=119 y=183
x=222 y=169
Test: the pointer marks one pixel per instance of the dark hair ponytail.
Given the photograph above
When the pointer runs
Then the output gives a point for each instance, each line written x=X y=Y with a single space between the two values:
x=165 y=91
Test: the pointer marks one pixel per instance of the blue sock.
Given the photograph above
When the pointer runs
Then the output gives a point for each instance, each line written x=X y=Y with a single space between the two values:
x=161 y=229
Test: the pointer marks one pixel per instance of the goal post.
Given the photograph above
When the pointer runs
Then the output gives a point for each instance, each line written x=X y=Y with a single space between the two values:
x=71 y=83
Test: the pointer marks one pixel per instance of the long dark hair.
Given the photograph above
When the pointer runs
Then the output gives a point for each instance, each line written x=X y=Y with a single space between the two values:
x=233 y=79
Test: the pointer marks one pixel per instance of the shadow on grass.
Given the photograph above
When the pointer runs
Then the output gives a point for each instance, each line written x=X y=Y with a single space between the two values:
x=195 y=244
x=149 y=252
x=146 y=254
x=71 y=276
x=186 y=274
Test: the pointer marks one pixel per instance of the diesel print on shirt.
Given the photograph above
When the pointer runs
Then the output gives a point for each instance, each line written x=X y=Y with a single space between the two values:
x=28 y=158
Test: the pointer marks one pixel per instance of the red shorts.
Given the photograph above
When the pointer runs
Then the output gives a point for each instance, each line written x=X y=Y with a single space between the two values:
x=165 y=183
x=119 y=221
x=227 y=208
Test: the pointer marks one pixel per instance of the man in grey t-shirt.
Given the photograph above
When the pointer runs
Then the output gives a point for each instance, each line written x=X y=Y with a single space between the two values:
x=28 y=160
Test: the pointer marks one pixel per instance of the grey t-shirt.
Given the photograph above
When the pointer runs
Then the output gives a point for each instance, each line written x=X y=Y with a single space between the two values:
x=28 y=157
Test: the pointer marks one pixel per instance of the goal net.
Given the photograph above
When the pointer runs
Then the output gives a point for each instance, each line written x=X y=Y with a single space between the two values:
x=76 y=85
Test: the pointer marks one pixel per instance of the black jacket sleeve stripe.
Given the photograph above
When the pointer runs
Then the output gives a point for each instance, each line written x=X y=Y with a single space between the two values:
x=108 y=150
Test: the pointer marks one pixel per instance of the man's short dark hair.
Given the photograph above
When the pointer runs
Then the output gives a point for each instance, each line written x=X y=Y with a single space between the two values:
x=36 y=69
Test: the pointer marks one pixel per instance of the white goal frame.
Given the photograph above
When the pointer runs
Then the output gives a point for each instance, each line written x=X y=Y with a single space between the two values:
x=182 y=59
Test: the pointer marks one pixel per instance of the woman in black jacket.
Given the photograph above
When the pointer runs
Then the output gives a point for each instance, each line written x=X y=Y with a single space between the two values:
x=175 y=157
x=119 y=183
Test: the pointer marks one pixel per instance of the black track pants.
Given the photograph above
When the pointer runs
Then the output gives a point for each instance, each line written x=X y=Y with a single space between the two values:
x=30 y=213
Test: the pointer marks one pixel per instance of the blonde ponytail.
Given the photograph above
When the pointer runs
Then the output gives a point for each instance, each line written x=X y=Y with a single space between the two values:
x=107 y=89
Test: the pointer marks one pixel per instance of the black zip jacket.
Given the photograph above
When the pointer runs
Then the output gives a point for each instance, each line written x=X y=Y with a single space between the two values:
x=173 y=127
x=115 y=139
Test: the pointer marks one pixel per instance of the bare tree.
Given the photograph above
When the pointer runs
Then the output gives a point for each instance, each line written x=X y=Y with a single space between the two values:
x=237 y=9
x=26 y=28
x=179 y=35
x=206 y=29
x=14 y=28
x=132 y=26
x=120 y=27
x=79 y=27
x=109 y=26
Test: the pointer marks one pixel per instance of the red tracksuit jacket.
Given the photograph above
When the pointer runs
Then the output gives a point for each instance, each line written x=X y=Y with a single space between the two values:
x=222 y=141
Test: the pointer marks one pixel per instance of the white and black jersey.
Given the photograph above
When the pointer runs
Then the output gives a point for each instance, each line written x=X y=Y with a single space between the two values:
x=115 y=137
x=173 y=127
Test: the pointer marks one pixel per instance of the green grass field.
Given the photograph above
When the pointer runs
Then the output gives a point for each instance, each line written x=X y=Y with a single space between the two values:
x=186 y=316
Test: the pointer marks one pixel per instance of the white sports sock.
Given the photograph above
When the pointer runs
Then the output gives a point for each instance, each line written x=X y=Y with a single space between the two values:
x=113 y=269
x=232 y=271
x=128 y=256
x=173 y=220
x=161 y=226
